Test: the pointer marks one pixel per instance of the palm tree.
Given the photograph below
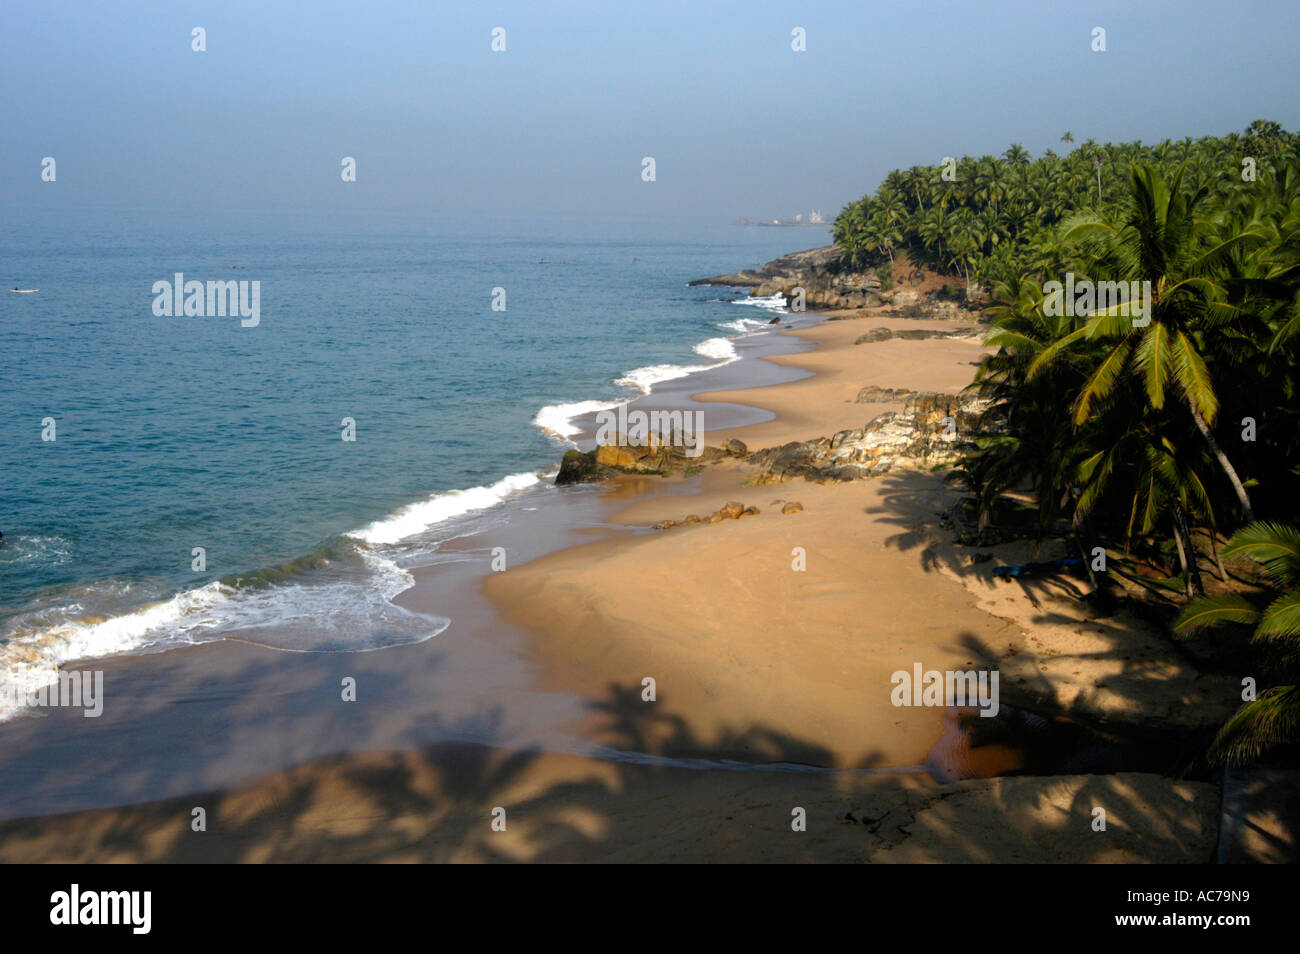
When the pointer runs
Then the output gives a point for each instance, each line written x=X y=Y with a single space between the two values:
x=964 y=243
x=884 y=233
x=1039 y=447
x=989 y=181
x=1068 y=137
x=1158 y=476
x=1017 y=155
x=1160 y=241
x=934 y=228
x=1274 y=717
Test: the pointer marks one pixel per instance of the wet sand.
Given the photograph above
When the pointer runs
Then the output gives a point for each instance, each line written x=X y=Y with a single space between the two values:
x=222 y=714
x=772 y=689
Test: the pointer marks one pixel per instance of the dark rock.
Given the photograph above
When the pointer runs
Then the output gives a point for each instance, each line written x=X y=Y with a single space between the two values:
x=578 y=468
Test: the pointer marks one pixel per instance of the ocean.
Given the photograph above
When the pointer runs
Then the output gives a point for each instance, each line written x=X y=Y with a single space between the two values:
x=172 y=480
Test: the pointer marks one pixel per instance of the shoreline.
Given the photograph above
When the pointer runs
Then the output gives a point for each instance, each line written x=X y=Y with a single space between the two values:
x=584 y=621
x=224 y=712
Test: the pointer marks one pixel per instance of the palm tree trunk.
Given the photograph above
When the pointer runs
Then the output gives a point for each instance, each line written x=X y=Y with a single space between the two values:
x=1082 y=527
x=1223 y=463
x=1214 y=548
x=1186 y=553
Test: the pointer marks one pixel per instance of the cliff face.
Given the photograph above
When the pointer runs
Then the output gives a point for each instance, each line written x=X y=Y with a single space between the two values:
x=817 y=271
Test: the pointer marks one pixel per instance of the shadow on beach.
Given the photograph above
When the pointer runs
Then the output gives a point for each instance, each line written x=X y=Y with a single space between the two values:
x=439 y=804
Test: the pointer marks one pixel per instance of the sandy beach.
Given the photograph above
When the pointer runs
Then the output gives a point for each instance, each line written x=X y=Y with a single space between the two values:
x=770 y=641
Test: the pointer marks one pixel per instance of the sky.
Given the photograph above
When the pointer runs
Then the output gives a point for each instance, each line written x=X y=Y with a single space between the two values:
x=738 y=122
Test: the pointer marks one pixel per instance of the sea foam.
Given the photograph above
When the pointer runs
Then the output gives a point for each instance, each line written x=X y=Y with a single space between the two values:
x=428 y=513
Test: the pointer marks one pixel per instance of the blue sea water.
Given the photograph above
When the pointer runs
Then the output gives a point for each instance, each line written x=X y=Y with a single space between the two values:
x=173 y=433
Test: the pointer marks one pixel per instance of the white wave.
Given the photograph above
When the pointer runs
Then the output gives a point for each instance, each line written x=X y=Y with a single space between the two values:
x=644 y=379
x=30 y=660
x=353 y=614
x=719 y=349
x=420 y=516
x=771 y=303
x=350 y=615
x=557 y=419
x=743 y=325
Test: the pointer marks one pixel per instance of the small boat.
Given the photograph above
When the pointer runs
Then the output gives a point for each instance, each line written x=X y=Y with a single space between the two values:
x=25 y=291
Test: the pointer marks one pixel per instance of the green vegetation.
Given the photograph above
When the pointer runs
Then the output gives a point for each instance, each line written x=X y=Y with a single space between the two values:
x=1274 y=717
x=1137 y=434
x=885 y=273
x=998 y=215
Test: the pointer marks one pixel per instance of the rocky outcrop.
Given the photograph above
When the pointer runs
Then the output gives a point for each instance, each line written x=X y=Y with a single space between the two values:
x=818 y=271
x=913 y=334
x=874 y=395
x=607 y=460
x=931 y=431
x=907 y=303
x=828 y=283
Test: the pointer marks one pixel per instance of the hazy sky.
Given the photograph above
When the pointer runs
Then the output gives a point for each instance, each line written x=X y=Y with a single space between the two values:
x=738 y=123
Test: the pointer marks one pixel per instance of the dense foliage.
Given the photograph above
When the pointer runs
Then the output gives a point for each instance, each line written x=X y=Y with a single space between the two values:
x=989 y=218
x=1135 y=433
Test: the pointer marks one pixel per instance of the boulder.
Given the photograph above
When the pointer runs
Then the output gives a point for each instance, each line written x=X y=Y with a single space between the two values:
x=792 y=507
x=577 y=468
x=609 y=459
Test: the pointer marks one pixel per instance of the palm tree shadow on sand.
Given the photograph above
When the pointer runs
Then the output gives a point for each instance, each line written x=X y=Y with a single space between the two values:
x=657 y=795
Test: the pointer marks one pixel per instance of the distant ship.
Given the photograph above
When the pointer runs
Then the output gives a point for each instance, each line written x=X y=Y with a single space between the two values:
x=814 y=218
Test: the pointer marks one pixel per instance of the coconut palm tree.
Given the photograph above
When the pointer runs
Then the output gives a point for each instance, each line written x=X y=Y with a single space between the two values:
x=1017 y=155
x=1274 y=717
x=1160 y=240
